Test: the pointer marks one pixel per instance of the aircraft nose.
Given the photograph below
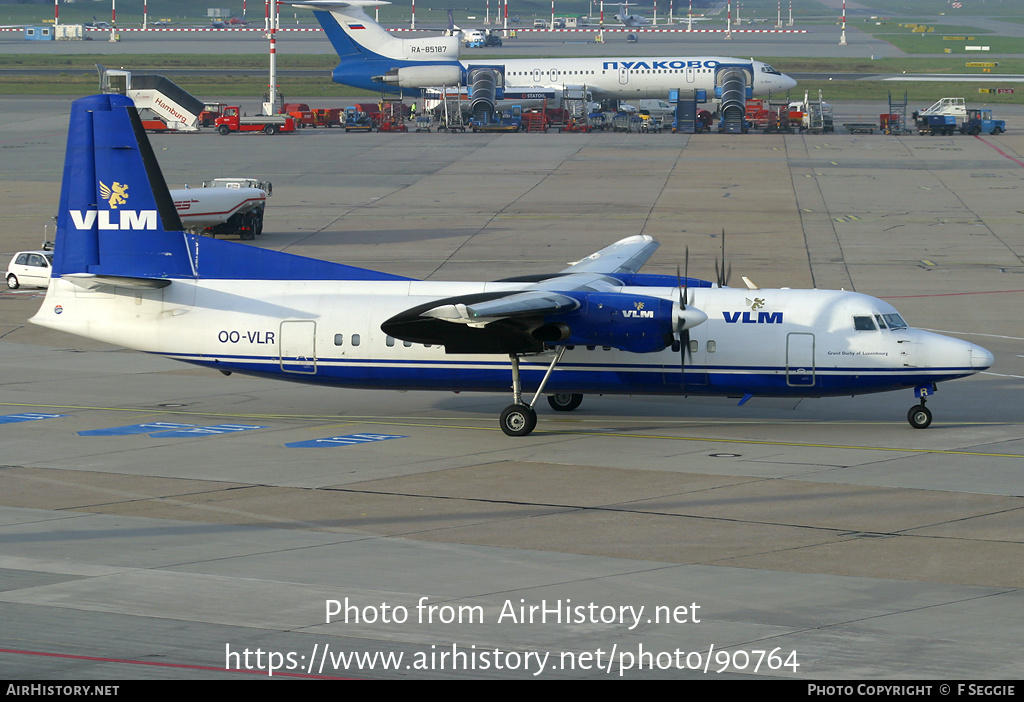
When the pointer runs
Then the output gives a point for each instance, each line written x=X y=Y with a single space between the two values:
x=787 y=82
x=981 y=358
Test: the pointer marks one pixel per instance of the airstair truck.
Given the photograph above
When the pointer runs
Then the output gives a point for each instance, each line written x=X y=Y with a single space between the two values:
x=158 y=100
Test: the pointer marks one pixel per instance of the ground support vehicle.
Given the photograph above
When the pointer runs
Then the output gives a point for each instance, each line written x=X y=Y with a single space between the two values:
x=580 y=126
x=29 y=268
x=300 y=112
x=357 y=121
x=370 y=109
x=232 y=206
x=211 y=111
x=535 y=121
x=936 y=125
x=600 y=121
x=860 y=127
x=327 y=116
x=234 y=121
x=942 y=117
x=980 y=121
x=649 y=125
x=423 y=123
x=392 y=116
x=165 y=106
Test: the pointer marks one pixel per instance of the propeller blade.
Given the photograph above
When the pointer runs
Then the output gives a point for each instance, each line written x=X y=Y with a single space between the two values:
x=722 y=275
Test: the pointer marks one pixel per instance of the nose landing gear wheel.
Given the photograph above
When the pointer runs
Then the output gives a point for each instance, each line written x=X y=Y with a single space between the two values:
x=919 y=416
x=565 y=401
x=518 y=420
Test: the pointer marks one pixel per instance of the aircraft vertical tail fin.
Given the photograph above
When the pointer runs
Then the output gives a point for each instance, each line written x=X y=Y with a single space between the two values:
x=118 y=225
x=351 y=31
x=116 y=216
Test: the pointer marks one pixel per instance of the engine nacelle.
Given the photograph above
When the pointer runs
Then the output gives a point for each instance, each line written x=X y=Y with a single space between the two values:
x=423 y=76
x=635 y=323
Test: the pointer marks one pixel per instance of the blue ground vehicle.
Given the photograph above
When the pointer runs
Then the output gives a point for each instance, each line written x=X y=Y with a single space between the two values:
x=979 y=121
x=936 y=124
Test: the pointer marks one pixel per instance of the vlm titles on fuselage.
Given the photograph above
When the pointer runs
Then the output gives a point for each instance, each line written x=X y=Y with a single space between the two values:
x=127 y=276
x=372 y=58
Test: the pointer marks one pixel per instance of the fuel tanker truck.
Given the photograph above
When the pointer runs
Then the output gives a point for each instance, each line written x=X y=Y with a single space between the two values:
x=232 y=206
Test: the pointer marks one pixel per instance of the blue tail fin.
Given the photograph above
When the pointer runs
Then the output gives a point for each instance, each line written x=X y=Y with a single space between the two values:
x=117 y=219
x=110 y=200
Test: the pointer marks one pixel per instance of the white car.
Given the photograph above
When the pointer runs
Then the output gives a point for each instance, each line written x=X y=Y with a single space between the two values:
x=30 y=268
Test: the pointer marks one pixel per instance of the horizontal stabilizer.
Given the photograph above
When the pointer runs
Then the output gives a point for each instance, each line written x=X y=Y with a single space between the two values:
x=90 y=281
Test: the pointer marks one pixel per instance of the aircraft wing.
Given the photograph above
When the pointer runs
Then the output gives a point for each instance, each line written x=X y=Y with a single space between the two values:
x=525 y=304
x=519 y=321
x=625 y=256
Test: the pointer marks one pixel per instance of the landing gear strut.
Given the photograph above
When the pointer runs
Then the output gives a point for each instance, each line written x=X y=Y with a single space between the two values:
x=519 y=418
x=920 y=416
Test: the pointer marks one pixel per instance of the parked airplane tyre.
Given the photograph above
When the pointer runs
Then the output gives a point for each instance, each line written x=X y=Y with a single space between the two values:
x=518 y=420
x=565 y=401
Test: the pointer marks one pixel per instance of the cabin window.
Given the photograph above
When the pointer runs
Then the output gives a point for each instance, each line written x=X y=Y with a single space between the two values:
x=712 y=345
x=355 y=340
x=407 y=344
x=864 y=323
x=693 y=346
x=390 y=341
x=339 y=339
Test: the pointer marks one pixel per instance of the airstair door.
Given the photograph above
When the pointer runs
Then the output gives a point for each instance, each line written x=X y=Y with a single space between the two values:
x=800 y=360
x=297 y=346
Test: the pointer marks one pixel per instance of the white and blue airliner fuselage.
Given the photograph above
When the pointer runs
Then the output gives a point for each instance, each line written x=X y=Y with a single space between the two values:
x=797 y=343
x=373 y=59
x=125 y=273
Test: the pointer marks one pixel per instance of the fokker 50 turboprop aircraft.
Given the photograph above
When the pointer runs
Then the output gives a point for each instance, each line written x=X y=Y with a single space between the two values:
x=373 y=59
x=124 y=273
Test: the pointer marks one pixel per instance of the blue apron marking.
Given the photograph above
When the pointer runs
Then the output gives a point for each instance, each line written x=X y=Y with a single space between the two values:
x=135 y=429
x=27 y=417
x=347 y=440
x=213 y=430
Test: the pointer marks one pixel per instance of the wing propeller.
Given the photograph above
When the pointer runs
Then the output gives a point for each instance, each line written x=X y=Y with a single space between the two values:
x=687 y=317
x=722 y=274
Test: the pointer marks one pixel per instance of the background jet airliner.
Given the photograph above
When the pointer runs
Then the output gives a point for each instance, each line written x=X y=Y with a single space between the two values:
x=373 y=59
x=629 y=20
x=125 y=273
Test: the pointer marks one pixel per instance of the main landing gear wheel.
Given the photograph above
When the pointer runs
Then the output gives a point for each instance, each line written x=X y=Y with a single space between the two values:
x=565 y=401
x=919 y=416
x=518 y=420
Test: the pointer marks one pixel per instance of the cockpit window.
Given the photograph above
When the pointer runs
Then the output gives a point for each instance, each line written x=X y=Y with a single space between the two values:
x=881 y=322
x=895 y=321
x=864 y=323
x=765 y=68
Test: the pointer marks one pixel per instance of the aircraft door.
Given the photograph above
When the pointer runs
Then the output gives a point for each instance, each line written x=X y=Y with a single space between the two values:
x=691 y=75
x=623 y=76
x=538 y=75
x=800 y=359
x=297 y=346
